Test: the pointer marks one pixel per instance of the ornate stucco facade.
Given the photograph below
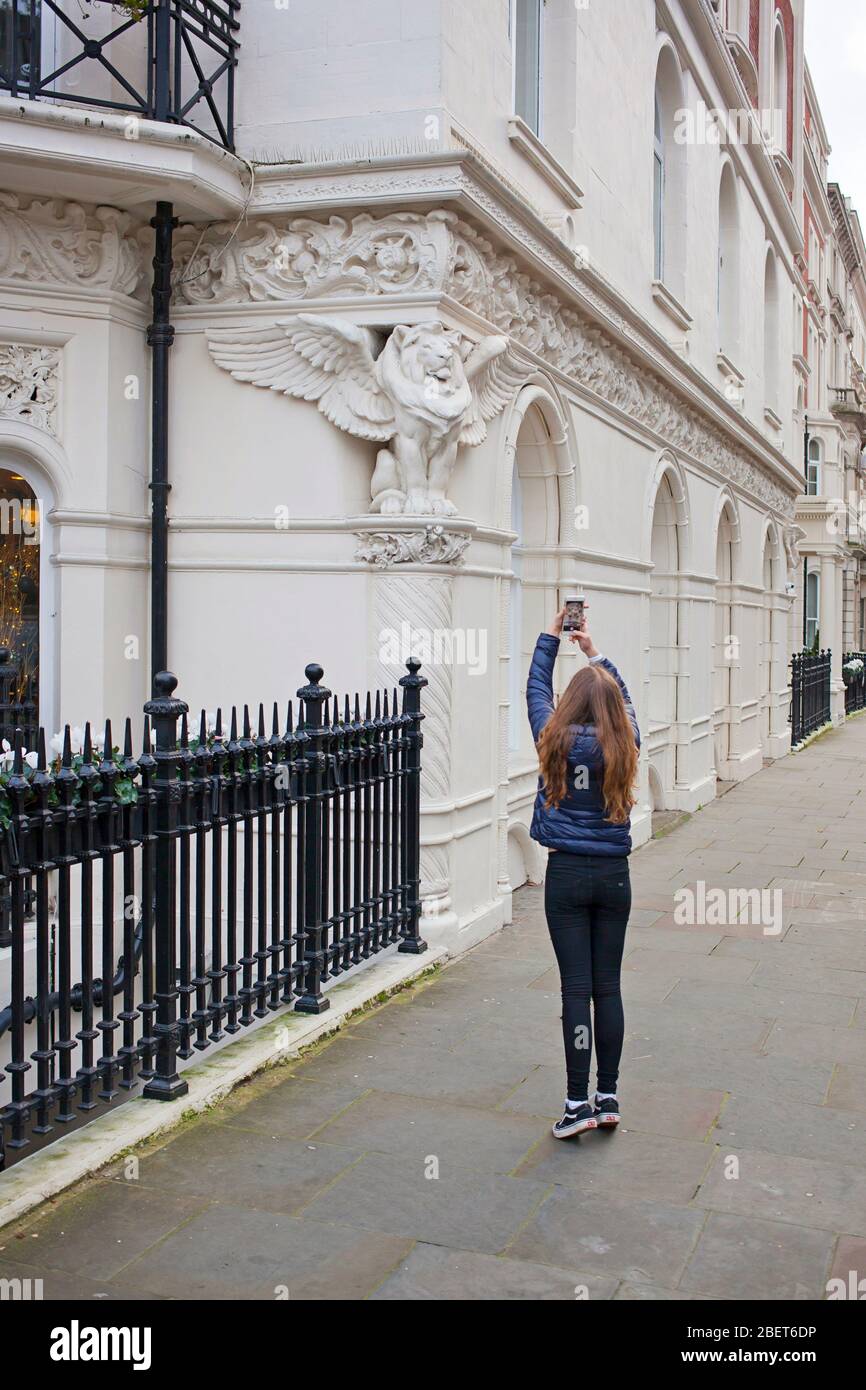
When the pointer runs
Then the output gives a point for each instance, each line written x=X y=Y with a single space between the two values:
x=645 y=447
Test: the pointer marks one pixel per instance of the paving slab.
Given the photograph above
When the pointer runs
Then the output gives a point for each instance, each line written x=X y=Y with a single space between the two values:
x=741 y=1257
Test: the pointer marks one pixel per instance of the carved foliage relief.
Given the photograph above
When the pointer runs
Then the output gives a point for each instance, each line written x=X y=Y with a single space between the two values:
x=67 y=244
x=29 y=379
x=400 y=253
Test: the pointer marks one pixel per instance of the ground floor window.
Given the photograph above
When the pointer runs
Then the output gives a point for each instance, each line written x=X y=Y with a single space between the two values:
x=19 y=608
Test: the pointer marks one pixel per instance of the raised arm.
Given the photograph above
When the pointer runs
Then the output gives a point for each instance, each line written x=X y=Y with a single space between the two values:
x=539 y=685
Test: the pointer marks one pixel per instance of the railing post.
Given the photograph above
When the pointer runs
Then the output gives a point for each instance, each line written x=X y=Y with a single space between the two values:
x=164 y=711
x=312 y=1001
x=412 y=686
x=162 y=61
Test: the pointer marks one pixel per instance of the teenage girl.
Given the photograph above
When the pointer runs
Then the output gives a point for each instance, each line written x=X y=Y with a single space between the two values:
x=588 y=745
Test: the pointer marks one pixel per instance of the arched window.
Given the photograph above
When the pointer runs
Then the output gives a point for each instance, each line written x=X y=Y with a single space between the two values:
x=771 y=333
x=728 y=277
x=780 y=87
x=658 y=196
x=669 y=177
x=20 y=534
x=813 y=468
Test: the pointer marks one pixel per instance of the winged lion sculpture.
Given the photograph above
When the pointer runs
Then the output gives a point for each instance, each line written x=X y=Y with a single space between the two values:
x=426 y=392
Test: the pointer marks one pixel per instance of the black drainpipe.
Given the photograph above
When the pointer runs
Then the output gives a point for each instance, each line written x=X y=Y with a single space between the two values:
x=160 y=336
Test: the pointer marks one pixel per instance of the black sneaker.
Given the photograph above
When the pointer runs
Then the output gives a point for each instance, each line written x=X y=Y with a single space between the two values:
x=606 y=1112
x=574 y=1122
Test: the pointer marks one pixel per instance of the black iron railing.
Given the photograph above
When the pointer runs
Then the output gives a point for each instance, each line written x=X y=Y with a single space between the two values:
x=810 y=693
x=183 y=894
x=855 y=681
x=168 y=60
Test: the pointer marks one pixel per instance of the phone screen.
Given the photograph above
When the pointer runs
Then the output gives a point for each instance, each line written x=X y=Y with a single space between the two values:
x=573 y=620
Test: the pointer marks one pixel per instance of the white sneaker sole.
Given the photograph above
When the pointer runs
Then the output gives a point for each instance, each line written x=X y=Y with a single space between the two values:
x=607 y=1121
x=579 y=1128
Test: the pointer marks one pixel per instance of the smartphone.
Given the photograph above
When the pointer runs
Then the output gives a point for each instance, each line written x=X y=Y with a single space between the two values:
x=574 y=618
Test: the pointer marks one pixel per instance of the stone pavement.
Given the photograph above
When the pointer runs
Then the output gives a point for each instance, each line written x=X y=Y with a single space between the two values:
x=410 y=1157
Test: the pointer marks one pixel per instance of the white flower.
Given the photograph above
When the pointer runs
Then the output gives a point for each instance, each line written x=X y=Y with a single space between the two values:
x=31 y=759
x=56 y=745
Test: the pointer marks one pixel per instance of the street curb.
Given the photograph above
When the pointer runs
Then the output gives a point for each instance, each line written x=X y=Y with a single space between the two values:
x=65 y=1162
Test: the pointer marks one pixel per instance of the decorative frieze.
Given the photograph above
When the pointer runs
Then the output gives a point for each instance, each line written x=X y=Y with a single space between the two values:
x=29 y=384
x=401 y=253
x=67 y=244
x=433 y=546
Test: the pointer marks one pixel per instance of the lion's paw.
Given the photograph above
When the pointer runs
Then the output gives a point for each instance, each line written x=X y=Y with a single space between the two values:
x=440 y=506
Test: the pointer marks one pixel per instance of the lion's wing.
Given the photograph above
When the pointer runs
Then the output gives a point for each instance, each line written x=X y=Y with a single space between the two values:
x=316 y=359
x=492 y=389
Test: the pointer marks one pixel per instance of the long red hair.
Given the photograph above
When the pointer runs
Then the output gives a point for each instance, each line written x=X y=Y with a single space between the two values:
x=591 y=697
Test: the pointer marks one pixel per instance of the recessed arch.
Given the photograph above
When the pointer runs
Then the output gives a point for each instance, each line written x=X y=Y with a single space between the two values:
x=539 y=488
x=669 y=171
x=728 y=629
x=667 y=469
x=667 y=547
x=772 y=669
x=557 y=465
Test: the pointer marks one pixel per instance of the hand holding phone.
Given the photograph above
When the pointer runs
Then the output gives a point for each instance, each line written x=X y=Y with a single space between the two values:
x=575 y=618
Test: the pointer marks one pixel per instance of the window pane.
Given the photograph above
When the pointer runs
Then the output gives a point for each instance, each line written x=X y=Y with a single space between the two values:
x=527 y=62
x=658 y=214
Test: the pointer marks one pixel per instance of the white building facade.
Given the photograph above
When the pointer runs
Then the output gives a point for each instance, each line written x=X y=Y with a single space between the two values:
x=547 y=180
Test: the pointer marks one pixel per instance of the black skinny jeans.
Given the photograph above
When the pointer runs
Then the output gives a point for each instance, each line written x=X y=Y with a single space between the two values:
x=587 y=899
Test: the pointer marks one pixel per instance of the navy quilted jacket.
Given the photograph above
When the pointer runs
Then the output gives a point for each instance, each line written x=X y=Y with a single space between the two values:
x=577 y=824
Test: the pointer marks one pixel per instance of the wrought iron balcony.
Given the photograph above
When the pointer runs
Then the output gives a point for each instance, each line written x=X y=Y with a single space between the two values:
x=166 y=60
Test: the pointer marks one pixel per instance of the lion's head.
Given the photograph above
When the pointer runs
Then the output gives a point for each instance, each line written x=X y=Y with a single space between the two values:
x=428 y=354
